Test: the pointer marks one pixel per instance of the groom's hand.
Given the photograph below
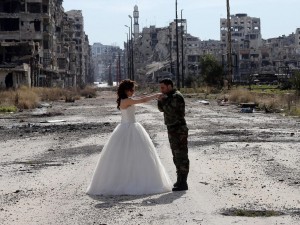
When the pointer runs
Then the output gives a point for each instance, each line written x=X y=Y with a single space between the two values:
x=160 y=97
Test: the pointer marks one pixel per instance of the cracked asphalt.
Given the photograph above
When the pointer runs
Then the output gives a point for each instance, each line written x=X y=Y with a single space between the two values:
x=240 y=163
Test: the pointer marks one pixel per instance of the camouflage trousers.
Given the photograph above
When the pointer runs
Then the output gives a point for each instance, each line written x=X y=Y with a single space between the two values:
x=178 y=143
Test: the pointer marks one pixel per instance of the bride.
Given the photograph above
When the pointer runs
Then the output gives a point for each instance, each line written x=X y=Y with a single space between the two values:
x=129 y=163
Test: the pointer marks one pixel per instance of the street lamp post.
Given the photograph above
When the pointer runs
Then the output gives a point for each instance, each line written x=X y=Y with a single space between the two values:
x=132 y=58
x=177 y=49
x=128 y=53
x=229 y=50
x=182 y=54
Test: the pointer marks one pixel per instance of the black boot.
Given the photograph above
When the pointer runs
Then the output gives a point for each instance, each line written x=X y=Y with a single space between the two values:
x=182 y=185
x=177 y=182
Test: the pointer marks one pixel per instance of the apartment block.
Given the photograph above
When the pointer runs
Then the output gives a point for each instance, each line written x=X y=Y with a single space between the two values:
x=108 y=62
x=39 y=45
x=297 y=40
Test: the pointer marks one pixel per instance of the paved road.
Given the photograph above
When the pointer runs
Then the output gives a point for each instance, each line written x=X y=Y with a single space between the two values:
x=239 y=162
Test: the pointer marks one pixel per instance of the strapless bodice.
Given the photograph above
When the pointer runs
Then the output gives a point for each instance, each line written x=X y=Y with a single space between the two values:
x=128 y=115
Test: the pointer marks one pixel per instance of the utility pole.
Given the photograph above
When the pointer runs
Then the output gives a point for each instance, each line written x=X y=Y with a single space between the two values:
x=129 y=54
x=132 y=57
x=170 y=44
x=177 y=50
x=127 y=58
x=229 y=50
x=182 y=53
x=110 y=80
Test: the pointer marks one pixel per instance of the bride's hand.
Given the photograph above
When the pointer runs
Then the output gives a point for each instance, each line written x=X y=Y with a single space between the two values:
x=160 y=96
x=156 y=96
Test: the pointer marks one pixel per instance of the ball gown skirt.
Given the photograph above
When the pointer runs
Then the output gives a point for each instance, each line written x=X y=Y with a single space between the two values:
x=129 y=163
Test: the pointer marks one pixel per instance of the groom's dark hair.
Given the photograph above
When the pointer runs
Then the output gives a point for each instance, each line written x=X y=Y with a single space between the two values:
x=166 y=81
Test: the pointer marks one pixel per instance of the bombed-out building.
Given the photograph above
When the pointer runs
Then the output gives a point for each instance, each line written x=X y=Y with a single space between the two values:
x=108 y=63
x=253 y=55
x=41 y=45
x=155 y=50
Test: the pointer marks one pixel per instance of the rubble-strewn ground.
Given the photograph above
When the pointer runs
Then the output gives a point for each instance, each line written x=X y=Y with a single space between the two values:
x=241 y=165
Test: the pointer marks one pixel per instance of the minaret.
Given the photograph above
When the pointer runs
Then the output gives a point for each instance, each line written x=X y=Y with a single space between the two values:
x=136 y=27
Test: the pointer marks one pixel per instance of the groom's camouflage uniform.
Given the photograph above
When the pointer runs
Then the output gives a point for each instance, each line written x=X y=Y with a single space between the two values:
x=173 y=106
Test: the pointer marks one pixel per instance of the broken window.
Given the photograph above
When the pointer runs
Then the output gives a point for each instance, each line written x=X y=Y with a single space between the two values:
x=37 y=25
x=34 y=7
x=61 y=63
x=46 y=44
x=45 y=8
x=78 y=26
x=9 y=24
x=12 y=6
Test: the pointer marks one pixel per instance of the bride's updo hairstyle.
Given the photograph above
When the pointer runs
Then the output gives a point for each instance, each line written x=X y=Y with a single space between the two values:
x=125 y=85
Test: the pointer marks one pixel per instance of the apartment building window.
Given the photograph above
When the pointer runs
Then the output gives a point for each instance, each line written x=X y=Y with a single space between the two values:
x=9 y=24
x=37 y=25
x=10 y=7
x=46 y=44
x=61 y=63
x=45 y=8
x=34 y=7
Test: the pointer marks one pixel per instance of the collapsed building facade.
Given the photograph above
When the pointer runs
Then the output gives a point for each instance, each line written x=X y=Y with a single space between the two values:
x=41 y=45
x=155 y=50
x=108 y=63
x=253 y=55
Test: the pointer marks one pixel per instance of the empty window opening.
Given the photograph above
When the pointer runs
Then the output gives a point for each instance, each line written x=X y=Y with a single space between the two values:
x=9 y=24
x=34 y=7
x=9 y=80
x=11 y=6
x=37 y=25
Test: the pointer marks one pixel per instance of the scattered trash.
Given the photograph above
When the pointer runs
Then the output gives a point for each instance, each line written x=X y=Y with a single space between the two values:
x=247 y=110
x=45 y=105
x=223 y=103
x=204 y=102
x=53 y=121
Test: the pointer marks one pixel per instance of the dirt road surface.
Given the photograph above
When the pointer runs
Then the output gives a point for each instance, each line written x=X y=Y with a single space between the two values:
x=242 y=165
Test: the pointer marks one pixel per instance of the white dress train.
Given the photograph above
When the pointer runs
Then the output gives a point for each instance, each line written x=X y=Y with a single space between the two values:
x=129 y=163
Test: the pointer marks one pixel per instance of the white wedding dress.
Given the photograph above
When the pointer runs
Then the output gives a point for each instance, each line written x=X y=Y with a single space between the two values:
x=129 y=163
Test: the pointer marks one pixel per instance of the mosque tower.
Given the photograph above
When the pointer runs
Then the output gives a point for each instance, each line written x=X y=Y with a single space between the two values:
x=136 y=27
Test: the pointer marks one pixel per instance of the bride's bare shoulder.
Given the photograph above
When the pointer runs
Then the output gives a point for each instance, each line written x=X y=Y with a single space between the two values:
x=125 y=103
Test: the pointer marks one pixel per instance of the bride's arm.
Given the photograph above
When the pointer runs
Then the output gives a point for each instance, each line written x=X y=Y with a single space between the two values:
x=137 y=100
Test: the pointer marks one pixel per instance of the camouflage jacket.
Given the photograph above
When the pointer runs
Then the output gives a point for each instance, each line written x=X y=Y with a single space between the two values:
x=173 y=106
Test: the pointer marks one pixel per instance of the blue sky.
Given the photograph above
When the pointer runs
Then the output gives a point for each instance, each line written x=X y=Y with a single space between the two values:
x=104 y=20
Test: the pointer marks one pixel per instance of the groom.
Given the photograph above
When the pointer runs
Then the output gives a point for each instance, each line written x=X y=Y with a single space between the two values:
x=172 y=104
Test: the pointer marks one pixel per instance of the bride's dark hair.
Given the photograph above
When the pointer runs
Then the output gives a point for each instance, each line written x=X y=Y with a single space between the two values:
x=125 y=85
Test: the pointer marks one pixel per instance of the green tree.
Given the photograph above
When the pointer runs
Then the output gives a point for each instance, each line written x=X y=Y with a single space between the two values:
x=211 y=71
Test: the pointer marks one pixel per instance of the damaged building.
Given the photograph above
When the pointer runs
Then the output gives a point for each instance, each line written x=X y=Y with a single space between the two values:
x=253 y=55
x=41 y=45
x=108 y=62
x=155 y=52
